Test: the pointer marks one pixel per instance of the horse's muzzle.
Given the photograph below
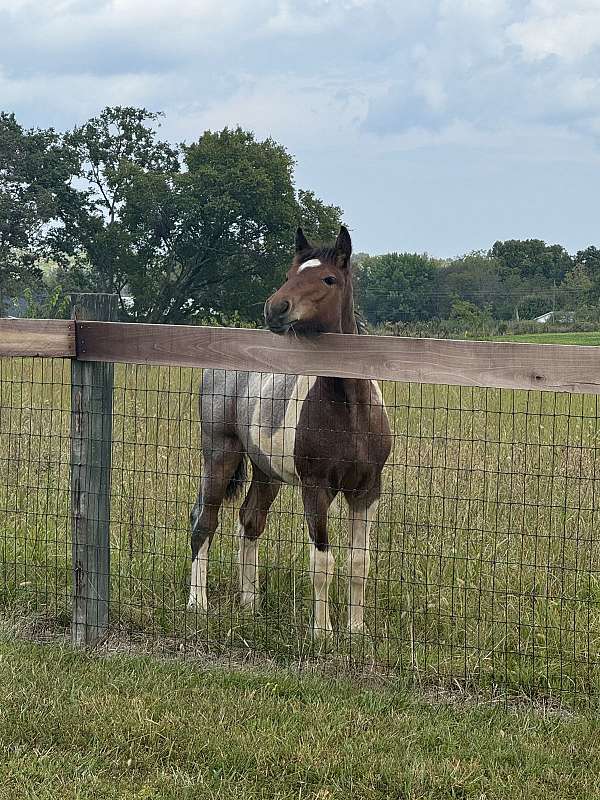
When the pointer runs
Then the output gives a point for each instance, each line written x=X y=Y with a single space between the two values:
x=277 y=316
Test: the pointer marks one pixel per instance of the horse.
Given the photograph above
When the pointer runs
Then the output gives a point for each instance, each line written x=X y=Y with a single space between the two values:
x=327 y=435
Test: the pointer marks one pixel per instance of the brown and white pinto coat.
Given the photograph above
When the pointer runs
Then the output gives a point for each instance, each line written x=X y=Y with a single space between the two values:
x=328 y=435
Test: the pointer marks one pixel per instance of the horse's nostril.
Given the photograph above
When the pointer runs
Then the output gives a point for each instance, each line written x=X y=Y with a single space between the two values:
x=277 y=311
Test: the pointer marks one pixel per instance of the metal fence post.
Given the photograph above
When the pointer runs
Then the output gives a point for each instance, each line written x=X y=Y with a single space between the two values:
x=91 y=444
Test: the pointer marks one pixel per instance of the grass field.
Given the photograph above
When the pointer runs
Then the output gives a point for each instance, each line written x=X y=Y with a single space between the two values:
x=586 y=337
x=78 y=727
x=485 y=568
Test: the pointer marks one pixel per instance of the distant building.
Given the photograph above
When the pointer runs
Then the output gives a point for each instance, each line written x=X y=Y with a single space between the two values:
x=556 y=316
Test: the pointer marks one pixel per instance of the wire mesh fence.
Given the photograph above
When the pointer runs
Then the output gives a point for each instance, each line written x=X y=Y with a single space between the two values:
x=485 y=558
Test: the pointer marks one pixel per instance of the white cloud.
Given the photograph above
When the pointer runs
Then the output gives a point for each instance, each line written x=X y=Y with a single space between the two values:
x=424 y=65
x=554 y=28
x=292 y=111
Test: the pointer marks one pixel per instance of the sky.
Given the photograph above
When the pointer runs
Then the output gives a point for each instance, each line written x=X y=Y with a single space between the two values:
x=438 y=126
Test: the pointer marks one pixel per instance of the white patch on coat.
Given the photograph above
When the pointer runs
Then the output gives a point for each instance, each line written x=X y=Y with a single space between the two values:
x=378 y=393
x=312 y=262
x=379 y=398
x=198 y=600
x=277 y=444
x=248 y=565
x=358 y=563
x=322 y=564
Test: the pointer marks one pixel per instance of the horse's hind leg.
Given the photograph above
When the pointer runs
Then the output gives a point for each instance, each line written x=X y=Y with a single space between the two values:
x=360 y=515
x=253 y=518
x=219 y=471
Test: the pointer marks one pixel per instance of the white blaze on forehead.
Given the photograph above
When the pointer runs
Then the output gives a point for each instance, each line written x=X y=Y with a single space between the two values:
x=312 y=262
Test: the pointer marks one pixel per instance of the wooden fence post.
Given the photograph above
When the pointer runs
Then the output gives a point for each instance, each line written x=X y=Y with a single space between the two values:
x=91 y=445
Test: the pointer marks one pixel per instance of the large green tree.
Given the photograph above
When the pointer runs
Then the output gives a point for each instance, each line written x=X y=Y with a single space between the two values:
x=184 y=234
x=213 y=236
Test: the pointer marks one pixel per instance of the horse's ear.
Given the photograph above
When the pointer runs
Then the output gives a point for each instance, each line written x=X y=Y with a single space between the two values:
x=301 y=241
x=343 y=244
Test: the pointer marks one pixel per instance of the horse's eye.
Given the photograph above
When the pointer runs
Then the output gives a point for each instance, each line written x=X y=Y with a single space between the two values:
x=329 y=280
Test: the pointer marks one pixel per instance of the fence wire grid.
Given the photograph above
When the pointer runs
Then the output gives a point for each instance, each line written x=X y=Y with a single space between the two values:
x=485 y=563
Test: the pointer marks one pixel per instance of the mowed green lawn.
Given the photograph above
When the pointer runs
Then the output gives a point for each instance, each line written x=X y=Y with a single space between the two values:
x=75 y=726
x=587 y=338
x=485 y=564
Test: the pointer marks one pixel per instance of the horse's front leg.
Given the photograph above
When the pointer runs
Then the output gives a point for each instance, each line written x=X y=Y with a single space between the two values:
x=360 y=519
x=316 y=505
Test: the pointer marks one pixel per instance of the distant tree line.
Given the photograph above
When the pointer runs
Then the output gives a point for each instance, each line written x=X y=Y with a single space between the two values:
x=201 y=232
x=513 y=280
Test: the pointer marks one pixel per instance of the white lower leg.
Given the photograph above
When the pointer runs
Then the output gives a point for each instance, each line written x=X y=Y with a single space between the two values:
x=358 y=564
x=322 y=563
x=248 y=563
x=198 y=601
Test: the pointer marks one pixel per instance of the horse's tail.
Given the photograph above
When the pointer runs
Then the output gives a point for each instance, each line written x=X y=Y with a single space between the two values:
x=237 y=480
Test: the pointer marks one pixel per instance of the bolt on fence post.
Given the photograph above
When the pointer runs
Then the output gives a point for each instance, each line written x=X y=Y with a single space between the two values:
x=91 y=446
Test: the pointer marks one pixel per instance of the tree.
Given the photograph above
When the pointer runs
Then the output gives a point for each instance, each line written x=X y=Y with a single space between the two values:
x=211 y=236
x=532 y=259
x=530 y=270
x=110 y=153
x=189 y=233
x=35 y=173
x=319 y=221
x=576 y=289
x=588 y=261
x=468 y=314
x=474 y=277
x=397 y=287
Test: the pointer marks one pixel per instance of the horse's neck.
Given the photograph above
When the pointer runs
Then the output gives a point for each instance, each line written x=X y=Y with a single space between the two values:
x=355 y=391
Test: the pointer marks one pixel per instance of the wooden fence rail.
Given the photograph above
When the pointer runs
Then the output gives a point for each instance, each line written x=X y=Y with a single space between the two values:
x=547 y=367
x=50 y=338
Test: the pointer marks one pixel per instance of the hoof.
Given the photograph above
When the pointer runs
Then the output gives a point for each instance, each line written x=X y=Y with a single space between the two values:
x=322 y=634
x=196 y=606
x=356 y=628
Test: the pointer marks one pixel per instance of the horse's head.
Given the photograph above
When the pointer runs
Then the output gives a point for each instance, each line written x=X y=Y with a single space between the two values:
x=317 y=295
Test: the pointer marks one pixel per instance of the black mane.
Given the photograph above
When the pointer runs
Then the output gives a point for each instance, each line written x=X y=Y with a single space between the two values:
x=361 y=323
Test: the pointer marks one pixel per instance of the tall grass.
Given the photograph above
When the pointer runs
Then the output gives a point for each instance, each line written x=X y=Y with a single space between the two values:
x=486 y=563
